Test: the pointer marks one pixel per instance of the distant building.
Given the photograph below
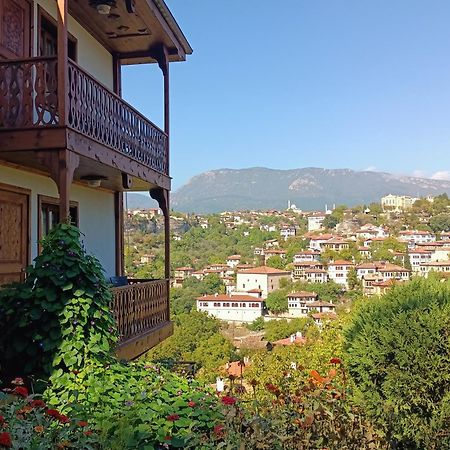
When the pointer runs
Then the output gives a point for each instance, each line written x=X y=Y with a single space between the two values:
x=315 y=221
x=336 y=244
x=413 y=237
x=300 y=268
x=316 y=275
x=267 y=279
x=397 y=202
x=435 y=266
x=287 y=232
x=338 y=271
x=307 y=256
x=233 y=261
x=180 y=274
x=231 y=308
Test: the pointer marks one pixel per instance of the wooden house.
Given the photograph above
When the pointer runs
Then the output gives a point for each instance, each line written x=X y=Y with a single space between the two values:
x=70 y=146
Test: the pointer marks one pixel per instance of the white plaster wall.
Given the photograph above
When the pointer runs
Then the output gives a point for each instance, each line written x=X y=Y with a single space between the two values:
x=95 y=210
x=230 y=314
x=92 y=56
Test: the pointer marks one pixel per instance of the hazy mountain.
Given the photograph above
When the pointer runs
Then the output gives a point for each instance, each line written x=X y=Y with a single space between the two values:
x=139 y=201
x=309 y=188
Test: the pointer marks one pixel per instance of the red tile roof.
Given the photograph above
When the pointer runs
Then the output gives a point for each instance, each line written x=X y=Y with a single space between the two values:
x=302 y=294
x=229 y=298
x=264 y=270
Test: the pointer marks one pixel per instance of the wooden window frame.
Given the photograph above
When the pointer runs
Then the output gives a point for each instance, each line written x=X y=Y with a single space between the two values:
x=44 y=199
x=43 y=14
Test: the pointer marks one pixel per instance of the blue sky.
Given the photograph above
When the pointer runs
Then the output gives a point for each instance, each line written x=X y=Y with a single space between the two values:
x=357 y=84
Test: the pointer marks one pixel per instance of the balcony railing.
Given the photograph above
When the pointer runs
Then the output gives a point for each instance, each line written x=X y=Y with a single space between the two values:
x=141 y=309
x=29 y=99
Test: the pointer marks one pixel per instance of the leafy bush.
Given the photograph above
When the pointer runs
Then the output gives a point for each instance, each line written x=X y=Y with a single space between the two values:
x=308 y=412
x=59 y=316
x=398 y=353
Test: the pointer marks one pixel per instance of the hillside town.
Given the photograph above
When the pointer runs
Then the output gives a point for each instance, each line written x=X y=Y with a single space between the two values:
x=368 y=249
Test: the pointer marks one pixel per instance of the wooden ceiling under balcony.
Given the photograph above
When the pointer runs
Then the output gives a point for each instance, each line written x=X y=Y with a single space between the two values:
x=132 y=35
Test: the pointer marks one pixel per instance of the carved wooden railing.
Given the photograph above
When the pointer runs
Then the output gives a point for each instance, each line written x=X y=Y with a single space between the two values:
x=28 y=93
x=97 y=112
x=29 y=99
x=140 y=307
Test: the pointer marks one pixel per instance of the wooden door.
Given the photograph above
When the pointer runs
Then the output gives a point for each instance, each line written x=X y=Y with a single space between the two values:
x=14 y=243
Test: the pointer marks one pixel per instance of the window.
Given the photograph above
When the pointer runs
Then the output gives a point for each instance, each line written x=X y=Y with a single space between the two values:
x=48 y=32
x=234 y=305
x=217 y=305
x=226 y=305
x=48 y=214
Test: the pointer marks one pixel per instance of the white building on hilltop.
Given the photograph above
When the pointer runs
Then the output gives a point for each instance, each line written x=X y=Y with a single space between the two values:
x=397 y=202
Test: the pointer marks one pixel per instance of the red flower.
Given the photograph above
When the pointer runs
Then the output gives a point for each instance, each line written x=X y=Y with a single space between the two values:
x=219 y=430
x=63 y=419
x=273 y=389
x=82 y=423
x=192 y=404
x=37 y=404
x=88 y=433
x=173 y=417
x=53 y=413
x=20 y=390
x=167 y=438
x=228 y=400
x=5 y=440
x=335 y=361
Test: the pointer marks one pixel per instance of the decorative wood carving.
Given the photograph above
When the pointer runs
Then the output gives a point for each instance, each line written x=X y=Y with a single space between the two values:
x=15 y=28
x=140 y=307
x=103 y=116
x=28 y=93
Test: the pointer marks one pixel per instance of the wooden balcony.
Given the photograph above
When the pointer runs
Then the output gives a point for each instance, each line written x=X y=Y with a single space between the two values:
x=141 y=310
x=99 y=125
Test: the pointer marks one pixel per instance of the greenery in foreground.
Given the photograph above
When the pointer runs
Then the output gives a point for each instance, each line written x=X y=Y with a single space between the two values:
x=390 y=391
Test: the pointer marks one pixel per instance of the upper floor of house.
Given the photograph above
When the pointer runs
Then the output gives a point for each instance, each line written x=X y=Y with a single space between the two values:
x=60 y=83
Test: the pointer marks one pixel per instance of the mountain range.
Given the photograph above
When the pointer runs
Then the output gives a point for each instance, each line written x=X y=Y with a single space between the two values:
x=308 y=188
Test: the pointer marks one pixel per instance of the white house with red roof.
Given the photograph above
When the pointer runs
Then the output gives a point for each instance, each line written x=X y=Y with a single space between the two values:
x=336 y=244
x=288 y=231
x=232 y=308
x=300 y=268
x=315 y=242
x=306 y=256
x=265 y=278
x=435 y=266
x=180 y=274
x=417 y=257
x=413 y=237
x=233 y=261
x=338 y=271
x=316 y=275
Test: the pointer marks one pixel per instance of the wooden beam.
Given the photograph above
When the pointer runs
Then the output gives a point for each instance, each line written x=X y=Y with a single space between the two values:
x=32 y=139
x=88 y=147
x=62 y=54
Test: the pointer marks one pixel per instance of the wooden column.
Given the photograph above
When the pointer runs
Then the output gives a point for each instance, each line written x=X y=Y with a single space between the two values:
x=118 y=216
x=61 y=164
x=63 y=68
x=117 y=74
x=162 y=197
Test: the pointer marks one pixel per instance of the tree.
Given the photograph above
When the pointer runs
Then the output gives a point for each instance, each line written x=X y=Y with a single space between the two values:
x=277 y=302
x=280 y=329
x=439 y=223
x=277 y=262
x=330 y=221
x=398 y=355
x=352 y=279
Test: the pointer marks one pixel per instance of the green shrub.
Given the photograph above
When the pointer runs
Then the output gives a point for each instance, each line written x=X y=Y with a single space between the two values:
x=398 y=353
x=59 y=316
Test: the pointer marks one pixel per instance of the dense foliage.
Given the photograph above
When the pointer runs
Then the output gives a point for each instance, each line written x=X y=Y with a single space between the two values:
x=398 y=353
x=59 y=316
x=196 y=338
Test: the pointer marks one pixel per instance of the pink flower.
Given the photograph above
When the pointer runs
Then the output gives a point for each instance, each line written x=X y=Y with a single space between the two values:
x=192 y=404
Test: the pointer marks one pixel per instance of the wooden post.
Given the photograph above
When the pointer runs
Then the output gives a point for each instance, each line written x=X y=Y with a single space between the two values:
x=118 y=215
x=63 y=68
x=117 y=75
x=162 y=197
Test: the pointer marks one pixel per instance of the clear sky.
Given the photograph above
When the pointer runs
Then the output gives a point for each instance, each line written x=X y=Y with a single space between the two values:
x=357 y=84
